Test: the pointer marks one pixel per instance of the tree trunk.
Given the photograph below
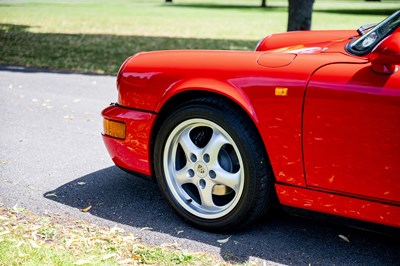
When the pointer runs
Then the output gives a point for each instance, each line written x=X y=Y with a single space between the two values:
x=168 y=1
x=263 y=3
x=300 y=13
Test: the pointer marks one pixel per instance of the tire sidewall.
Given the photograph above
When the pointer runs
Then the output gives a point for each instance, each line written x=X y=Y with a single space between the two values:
x=232 y=127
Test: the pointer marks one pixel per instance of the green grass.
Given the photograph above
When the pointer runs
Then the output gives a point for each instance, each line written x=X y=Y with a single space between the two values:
x=28 y=239
x=97 y=35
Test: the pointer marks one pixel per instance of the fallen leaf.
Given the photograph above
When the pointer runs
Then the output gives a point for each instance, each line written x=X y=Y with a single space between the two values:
x=109 y=256
x=117 y=229
x=33 y=243
x=20 y=254
x=68 y=243
x=136 y=257
x=223 y=241
x=4 y=232
x=179 y=232
x=51 y=195
x=170 y=246
x=87 y=208
x=146 y=228
x=69 y=117
x=127 y=238
x=34 y=237
x=15 y=209
x=344 y=238
x=81 y=262
x=127 y=261
x=81 y=183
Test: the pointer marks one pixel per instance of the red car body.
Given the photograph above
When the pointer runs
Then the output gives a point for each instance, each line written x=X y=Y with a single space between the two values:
x=329 y=119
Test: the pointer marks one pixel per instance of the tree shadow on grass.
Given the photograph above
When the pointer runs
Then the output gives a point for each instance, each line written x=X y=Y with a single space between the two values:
x=274 y=7
x=126 y=199
x=363 y=11
x=97 y=53
x=367 y=10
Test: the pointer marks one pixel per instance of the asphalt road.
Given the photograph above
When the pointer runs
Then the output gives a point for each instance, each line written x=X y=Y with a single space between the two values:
x=50 y=143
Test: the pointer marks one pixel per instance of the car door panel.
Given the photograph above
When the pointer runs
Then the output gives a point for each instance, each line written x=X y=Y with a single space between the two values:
x=351 y=132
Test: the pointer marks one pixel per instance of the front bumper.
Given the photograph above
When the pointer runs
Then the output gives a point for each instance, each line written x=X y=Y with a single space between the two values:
x=133 y=152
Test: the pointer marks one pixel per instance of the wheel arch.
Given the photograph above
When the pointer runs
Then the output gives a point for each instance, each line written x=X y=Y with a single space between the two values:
x=208 y=87
x=183 y=95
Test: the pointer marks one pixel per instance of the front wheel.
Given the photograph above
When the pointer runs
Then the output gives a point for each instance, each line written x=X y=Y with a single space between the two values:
x=211 y=166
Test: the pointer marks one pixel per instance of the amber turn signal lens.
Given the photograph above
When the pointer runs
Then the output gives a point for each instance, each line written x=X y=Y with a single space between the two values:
x=114 y=129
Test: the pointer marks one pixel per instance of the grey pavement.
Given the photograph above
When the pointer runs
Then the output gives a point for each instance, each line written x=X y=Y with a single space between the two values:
x=52 y=159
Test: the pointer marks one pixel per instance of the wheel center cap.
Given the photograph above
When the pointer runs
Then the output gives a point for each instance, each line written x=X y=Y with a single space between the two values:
x=201 y=169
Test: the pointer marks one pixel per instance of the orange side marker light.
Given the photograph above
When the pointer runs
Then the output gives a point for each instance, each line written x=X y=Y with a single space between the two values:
x=114 y=129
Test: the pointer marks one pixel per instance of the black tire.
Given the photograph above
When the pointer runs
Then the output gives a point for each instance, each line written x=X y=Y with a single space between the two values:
x=211 y=166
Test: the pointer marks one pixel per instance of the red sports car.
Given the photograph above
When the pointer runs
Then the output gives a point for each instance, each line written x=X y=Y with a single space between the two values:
x=309 y=119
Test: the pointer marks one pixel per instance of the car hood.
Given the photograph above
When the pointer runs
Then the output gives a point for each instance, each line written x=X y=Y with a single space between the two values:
x=301 y=42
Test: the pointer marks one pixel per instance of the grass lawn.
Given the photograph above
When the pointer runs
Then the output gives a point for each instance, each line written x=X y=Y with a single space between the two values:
x=97 y=35
x=29 y=239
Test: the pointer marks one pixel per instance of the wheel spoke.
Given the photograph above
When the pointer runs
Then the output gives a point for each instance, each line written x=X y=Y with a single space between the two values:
x=228 y=179
x=187 y=144
x=182 y=176
x=214 y=145
x=206 y=196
